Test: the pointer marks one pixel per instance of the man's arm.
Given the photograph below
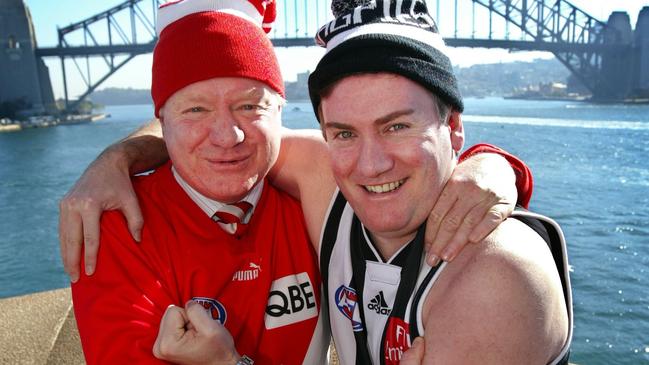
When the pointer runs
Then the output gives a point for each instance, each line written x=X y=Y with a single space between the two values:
x=106 y=185
x=479 y=195
x=118 y=310
x=499 y=302
x=303 y=170
x=524 y=180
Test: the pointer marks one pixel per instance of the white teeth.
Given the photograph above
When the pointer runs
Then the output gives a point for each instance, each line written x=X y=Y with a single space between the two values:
x=384 y=188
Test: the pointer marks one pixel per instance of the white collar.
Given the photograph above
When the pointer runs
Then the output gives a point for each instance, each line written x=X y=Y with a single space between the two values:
x=210 y=206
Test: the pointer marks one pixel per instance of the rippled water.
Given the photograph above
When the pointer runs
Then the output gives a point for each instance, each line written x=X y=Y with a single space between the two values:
x=591 y=168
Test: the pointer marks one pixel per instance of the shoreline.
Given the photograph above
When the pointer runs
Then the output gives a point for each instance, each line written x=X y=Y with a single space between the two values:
x=585 y=99
x=50 y=121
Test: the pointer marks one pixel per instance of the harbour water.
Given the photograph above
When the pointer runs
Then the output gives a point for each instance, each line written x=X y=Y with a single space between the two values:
x=591 y=170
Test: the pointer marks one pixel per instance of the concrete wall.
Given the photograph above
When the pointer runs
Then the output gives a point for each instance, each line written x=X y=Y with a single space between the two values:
x=21 y=73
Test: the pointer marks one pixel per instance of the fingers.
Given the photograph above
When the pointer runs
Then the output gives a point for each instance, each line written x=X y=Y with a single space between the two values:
x=443 y=205
x=172 y=330
x=415 y=354
x=200 y=318
x=70 y=239
x=133 y=214
x=490 y=221
x=221 y=345
x=454 y=222
x=459 y=236
x=90 y=222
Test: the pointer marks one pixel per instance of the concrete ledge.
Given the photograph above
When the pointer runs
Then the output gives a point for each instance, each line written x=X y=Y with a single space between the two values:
x=39 y=329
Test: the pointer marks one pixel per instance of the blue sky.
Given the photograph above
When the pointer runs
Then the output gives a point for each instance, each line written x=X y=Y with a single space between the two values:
x=48 y=14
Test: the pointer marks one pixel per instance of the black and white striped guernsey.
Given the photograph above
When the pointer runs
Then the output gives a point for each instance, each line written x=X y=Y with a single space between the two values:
x=368 y=325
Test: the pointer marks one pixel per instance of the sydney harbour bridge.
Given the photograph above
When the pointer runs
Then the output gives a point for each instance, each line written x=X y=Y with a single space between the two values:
x=609 y=57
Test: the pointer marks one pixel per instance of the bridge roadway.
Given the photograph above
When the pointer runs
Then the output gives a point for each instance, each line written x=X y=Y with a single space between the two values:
x=137 y=49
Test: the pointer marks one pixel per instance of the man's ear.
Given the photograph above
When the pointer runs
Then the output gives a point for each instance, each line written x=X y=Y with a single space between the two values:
x=457 y=130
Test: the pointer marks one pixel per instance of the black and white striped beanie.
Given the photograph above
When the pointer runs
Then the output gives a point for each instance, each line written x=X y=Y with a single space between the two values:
x=396 y=36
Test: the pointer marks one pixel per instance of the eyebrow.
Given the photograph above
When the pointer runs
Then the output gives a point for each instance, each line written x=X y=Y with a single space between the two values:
x=377 y=122
x=253 y=92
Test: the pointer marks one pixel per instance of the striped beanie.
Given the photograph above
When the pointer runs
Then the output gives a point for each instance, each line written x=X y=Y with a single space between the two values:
x=202 y=39
x=398 y=37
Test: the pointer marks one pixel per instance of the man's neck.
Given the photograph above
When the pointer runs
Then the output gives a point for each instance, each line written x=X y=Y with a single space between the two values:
x=210 y=206
x=387 y=244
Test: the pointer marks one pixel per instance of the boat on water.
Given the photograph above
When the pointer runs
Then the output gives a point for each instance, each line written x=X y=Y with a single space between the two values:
x=42 y=121
x=82 y=118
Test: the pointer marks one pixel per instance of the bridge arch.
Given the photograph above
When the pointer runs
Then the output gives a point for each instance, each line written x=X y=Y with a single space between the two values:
x=581 y=42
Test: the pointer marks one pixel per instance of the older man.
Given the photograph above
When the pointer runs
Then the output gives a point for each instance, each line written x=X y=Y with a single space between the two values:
x=215 y=233
x=390 y=109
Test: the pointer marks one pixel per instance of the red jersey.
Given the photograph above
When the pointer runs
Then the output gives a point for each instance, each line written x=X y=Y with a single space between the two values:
x=264 y=287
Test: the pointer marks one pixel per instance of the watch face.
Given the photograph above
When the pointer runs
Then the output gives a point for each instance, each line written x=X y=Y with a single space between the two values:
x=245 y=360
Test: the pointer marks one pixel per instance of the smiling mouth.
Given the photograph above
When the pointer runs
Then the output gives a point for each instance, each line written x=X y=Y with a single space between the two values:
x=384 y=188
x=228 y=162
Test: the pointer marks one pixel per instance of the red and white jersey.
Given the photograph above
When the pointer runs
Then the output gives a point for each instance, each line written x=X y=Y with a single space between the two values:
x=264 y=286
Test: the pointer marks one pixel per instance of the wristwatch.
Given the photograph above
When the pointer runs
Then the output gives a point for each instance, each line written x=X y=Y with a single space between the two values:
x=245 y=360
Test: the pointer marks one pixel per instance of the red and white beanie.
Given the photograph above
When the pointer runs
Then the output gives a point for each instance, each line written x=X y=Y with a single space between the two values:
x=202 y=39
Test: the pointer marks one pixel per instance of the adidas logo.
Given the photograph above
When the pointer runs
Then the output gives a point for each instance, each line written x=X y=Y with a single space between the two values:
x=379 y=305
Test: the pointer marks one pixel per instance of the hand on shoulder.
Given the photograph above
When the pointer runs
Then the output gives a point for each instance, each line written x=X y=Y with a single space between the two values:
x=498 y=302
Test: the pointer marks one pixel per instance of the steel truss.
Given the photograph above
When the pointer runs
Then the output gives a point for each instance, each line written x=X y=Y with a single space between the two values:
x=558 y=22
x=120 y=46
x=573 y=36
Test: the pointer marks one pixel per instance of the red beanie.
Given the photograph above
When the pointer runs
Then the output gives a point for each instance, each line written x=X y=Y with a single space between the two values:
x=202 y=39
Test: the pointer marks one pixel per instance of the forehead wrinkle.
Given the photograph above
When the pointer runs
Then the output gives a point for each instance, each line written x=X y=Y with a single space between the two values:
x=252 y=92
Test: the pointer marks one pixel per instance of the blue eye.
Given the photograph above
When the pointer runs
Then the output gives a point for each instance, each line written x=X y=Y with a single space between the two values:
x=397 y=126
x=344 y=135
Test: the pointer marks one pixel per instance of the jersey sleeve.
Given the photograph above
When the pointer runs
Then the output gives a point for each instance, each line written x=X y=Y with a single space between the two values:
x=524 y=180
x=118 y=309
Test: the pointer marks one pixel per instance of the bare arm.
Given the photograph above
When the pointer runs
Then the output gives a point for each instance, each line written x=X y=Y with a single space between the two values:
x=303 y=170
x=106 y=185
x=480 y=194
x=143 y=149
x=499 y=302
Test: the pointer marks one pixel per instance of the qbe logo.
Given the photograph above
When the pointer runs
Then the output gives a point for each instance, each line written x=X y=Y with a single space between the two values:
x=291 y=300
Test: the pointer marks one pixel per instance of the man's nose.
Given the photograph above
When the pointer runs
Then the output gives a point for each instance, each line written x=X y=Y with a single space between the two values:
x=225 y=131
x=374 y=158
